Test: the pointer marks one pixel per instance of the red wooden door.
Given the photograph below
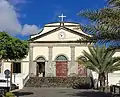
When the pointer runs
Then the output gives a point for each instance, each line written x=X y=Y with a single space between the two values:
x=82 y=71
x=61 y=69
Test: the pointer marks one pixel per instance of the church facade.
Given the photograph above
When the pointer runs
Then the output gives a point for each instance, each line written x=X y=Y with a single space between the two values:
x=54 y=51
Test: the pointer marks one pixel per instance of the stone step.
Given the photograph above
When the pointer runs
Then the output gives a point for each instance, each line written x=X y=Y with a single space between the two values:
x=57 y=82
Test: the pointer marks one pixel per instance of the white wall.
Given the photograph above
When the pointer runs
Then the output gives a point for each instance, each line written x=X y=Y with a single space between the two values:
x=61 y=50
x=25 y=68
x=40 y=51
x=79 y=50
x=113 y=78
x=6 y=65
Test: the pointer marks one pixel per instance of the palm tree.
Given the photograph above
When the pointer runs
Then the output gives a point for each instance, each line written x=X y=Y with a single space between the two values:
x=101 y=60
x=105 y=22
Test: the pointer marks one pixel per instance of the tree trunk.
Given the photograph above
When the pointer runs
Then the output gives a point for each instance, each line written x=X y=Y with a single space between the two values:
x=102 y=81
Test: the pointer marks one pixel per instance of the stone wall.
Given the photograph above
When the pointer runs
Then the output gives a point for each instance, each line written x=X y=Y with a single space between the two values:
x=58 y=82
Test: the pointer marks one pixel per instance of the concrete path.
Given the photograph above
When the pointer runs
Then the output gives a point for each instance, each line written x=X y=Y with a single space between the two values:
x=58 y=92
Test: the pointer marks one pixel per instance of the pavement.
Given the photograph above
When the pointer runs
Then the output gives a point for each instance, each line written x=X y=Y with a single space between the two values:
x=58 y=92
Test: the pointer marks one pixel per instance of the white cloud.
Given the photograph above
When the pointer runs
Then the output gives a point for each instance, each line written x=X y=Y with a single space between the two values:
x=9 y=21
x=29 y=29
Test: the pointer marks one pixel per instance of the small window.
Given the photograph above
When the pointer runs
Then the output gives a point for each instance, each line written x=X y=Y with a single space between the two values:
x=16 y=67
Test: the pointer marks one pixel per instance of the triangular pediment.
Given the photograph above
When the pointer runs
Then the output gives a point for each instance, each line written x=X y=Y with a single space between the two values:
x=60 y=33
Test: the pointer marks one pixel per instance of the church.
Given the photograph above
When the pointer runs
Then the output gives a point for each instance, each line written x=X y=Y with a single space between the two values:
x=53 y=52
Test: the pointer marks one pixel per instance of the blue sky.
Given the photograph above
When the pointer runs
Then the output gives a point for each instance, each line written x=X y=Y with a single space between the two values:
x=31 y=15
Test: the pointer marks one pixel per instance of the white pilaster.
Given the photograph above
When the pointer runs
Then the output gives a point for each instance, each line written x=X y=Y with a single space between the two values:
x=72 y=64
x=31 y=61
x=50 y=69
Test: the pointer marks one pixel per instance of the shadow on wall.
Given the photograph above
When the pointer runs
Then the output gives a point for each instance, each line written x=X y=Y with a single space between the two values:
x=90 y=94
x=19 y=94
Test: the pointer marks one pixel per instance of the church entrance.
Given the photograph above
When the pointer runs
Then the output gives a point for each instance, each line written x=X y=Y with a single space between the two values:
x=61 y=66
x=40 y=67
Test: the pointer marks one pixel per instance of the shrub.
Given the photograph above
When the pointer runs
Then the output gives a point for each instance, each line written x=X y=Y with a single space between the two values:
x=9 y=94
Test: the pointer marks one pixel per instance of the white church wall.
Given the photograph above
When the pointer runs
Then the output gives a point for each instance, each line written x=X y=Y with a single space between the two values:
x=40 y=51
x=61 y=50
x=79 y=50
x=54 y=36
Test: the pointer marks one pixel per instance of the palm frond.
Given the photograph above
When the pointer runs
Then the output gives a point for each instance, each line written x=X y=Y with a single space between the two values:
x=100 y=59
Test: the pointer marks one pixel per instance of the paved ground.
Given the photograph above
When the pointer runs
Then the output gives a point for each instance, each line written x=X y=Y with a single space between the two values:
x=59 y=92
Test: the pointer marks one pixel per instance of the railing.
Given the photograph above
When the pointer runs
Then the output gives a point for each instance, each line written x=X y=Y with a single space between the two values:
x=25 y=79
x=115 y=90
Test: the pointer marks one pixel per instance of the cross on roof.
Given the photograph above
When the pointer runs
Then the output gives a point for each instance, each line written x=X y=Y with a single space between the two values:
x=62 y=17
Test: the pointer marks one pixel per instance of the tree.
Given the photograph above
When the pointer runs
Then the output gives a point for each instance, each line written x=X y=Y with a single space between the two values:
x=16 y=50
x=101 y=60
x=105 y=22
x=12 y=49
x=4 y=38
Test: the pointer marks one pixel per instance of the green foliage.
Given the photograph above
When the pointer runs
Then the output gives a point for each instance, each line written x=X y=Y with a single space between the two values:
x=9 y=94
x=102 y=61
x=12 y=48
x=16 y=49
x=4 y=38
x=105 y=22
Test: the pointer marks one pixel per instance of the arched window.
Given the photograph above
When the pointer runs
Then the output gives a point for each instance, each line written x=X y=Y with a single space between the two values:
x=61 y=58
x=40 y=59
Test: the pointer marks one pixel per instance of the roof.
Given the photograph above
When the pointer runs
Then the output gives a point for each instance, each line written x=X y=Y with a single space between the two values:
x=59 y=26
